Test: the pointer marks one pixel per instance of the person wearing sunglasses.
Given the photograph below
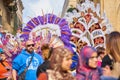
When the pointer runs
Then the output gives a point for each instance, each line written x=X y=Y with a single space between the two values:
x=27 y=59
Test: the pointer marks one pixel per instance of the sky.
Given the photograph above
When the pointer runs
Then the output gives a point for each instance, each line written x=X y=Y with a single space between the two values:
x=33 y=8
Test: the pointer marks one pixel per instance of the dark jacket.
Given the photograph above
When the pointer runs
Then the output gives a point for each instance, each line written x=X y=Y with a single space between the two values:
x=43 y=67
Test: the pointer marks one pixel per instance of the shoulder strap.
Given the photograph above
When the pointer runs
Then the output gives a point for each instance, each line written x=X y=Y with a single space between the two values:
x=28 y=64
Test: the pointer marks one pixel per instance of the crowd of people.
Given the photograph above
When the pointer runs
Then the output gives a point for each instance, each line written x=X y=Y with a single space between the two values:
x=54 y=63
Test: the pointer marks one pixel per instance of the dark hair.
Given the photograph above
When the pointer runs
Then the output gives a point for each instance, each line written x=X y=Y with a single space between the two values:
x=107 y=61
x=100 y=50
x=46 y=47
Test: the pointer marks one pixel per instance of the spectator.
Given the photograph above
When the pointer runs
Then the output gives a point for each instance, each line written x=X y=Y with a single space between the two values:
x=60 y=62
x=113 y=50
x=46 y=53
x=5 y=69
x=101 y=53
x=107 y=67
x=22 y=61
x=87 y=64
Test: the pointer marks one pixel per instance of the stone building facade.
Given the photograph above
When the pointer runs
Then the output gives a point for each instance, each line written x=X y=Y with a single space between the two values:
x=11 y=14
x=112 y=10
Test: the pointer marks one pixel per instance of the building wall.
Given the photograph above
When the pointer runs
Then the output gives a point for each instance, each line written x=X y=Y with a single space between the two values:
x=11 y=19
x=4 y=15
x=72 y=3
x=65 y=5
x=19 y=12
x=112 y=10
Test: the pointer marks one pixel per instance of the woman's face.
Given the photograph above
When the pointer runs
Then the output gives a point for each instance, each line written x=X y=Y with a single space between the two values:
x=67 y=61
x=93 y=60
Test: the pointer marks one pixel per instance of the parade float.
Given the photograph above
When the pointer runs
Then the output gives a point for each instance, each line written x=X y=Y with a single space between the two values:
x=87 y=25
x=49 y=29
x=46 y=29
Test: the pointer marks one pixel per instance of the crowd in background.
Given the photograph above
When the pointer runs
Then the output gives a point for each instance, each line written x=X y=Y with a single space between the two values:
x=45 y=62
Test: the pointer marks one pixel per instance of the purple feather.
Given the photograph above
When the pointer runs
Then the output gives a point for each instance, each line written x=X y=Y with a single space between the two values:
x=25 y=37
x=30 y=25
x=41 y=20
x=63 y=22
x=70 y=48
x=65 y=38
x=36 y=21
x=25 y=30
x=51 y=18
x=57 y=20
x=65 y=27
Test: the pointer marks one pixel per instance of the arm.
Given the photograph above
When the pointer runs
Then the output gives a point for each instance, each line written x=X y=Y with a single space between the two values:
x=16 y=64
x=14 y=74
